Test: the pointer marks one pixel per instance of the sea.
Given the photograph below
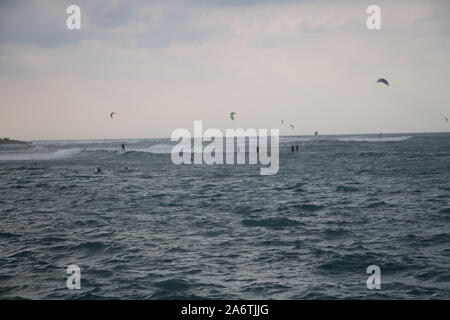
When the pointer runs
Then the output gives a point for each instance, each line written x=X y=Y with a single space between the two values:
x=157 y=230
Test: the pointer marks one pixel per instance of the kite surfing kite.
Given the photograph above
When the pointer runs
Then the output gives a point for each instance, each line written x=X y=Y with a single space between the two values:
x=112 y=114
x=291 y=126
x=232 y=115
x=382 y=80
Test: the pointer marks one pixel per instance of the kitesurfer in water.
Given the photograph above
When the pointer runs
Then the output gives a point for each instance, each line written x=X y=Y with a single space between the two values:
x=123 y=147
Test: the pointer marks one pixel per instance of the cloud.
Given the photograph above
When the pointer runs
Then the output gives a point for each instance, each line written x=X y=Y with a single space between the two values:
x=158 y=23
x=163 y=64
x=37 y=23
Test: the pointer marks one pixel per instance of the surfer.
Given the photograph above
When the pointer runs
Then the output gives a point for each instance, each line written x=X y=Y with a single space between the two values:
x=98 y=170
x=123 y=147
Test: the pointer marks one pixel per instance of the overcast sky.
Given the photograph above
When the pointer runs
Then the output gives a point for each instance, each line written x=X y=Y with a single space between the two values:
x=163 y=64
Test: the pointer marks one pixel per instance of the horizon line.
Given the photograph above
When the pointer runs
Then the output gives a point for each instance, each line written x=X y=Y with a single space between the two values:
x=288 y=135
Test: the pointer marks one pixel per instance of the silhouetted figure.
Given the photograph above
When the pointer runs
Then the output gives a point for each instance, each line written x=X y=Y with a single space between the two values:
x=296 y=147
x=123 y=147
x=292 y=148
x=257 y=150
x=98 y=170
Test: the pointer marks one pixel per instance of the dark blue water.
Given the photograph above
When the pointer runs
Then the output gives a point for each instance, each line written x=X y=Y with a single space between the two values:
x=160 y=231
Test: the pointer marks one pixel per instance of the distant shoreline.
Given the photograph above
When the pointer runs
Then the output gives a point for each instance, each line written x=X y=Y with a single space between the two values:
x=283 y=135
x=11 y=141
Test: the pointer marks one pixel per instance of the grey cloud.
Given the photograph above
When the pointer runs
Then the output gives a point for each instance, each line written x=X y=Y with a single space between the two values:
x=250 y=2
x=30 y=22
x=44 y=23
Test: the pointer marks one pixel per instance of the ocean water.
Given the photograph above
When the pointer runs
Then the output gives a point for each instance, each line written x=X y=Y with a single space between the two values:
x=160 y=231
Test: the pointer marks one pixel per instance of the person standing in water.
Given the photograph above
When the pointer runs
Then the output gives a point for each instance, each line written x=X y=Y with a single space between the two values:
x=296 y=147
x=123 y=147
x=292 y=148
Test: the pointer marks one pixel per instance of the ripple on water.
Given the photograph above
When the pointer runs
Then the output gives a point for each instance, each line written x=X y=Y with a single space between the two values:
x=89 y=247
x=171 y=232
x=345 y=188
x=270 y=223
x=308 y=207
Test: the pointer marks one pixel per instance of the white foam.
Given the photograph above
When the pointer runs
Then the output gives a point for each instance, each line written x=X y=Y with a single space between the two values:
x=72 y=142
x=374 y=139
x=59 y=154
x=157 y=148
x=295 y=139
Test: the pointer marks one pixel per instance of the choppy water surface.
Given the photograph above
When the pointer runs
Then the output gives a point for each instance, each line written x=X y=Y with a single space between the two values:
x=160 y=231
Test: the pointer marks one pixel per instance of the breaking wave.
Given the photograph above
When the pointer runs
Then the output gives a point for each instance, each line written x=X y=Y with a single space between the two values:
x=58 y=154
x=50 y=150
x=375 y=139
